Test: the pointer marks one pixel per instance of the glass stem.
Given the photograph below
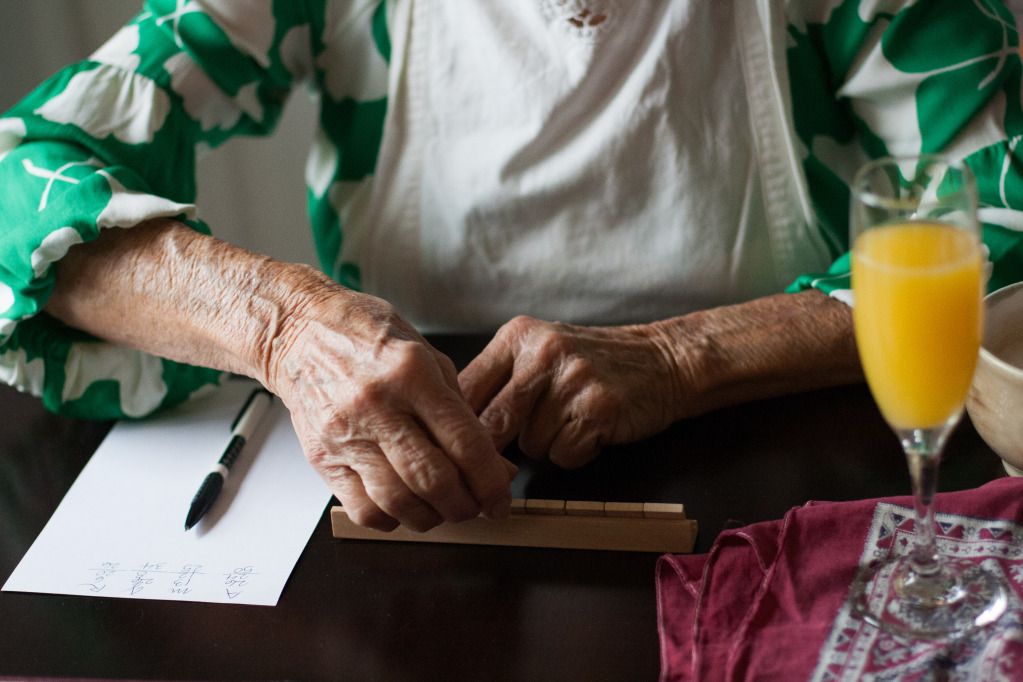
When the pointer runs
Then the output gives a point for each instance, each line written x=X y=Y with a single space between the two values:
x=923 y=454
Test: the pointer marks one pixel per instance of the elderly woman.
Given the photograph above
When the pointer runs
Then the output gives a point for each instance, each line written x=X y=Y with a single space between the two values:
x=652 y=174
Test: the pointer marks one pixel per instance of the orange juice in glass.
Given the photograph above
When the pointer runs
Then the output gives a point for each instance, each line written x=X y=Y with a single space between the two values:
x=918 y=318
x=917 y=281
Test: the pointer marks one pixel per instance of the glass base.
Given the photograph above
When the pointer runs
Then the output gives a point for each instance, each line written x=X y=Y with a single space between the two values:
x=958 y=598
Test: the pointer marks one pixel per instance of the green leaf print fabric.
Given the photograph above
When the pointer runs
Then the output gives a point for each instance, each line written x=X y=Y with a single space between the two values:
x=112 y=141
x=876 y=78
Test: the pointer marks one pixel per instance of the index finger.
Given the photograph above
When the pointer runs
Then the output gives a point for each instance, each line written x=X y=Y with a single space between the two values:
x=458 y=432
x=483 y=378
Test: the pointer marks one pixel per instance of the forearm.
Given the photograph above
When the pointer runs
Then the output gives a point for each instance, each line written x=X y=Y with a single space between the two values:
x=376 y=409
x=170 y=291
x=767 y=347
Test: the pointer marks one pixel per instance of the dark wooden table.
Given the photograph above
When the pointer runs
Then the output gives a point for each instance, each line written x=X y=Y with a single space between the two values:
x=395 y=611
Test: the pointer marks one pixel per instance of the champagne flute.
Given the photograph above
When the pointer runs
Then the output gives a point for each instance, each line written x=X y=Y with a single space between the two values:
x=917 y=279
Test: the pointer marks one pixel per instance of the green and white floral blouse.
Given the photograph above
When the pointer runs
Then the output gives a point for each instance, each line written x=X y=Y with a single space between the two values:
x=112 y=141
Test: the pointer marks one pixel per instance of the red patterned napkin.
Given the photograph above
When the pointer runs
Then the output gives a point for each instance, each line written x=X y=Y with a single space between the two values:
x=770 y=601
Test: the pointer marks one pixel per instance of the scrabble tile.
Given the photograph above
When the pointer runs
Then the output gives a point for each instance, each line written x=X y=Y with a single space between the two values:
x=545 y=506
x=663 y=510
x=628 y=509
x=583 y=508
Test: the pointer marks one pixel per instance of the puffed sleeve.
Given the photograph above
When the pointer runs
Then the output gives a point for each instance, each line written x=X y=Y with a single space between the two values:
x=872 y=79
x=111 y=142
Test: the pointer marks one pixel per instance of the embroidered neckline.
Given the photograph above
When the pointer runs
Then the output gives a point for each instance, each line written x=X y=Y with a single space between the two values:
x=585 y=19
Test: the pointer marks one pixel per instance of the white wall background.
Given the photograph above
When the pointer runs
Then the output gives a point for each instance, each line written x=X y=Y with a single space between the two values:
x=251 y=190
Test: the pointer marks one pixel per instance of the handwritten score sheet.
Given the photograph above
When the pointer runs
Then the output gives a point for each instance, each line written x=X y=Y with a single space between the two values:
x=119 y=531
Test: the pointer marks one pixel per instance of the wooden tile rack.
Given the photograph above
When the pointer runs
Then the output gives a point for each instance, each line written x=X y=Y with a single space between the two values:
x=566 y=524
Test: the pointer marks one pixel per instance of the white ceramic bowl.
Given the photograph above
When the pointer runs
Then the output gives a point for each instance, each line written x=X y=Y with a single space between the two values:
x=995 y=401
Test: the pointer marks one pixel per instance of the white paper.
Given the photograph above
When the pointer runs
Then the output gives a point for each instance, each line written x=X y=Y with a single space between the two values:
x=119 y=531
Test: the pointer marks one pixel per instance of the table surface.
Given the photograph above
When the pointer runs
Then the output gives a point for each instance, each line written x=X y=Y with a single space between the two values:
x=397 y=611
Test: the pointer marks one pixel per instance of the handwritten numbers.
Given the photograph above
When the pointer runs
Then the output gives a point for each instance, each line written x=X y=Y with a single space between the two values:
x=236 y=580
x=143 y=578
x=183 y=580
x=99 y=577
x=158 y=579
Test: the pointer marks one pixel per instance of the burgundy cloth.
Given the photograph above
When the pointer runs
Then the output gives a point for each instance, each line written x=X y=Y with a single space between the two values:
x=768 y=602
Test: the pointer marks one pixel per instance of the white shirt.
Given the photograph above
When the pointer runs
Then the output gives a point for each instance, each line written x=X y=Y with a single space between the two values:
x=590 y=167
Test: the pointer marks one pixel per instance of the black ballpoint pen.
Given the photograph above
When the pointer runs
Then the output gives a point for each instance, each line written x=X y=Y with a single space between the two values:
x=242 y=428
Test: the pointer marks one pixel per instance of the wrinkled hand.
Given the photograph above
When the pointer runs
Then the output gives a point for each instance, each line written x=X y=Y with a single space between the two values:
x=380 y=416
x=566 y=391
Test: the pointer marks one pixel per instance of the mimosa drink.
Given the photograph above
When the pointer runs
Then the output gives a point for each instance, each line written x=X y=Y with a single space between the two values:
x=917 y=279
x=917 y=310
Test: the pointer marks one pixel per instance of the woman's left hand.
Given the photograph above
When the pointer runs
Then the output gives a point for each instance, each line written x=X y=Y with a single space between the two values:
x=566 y=391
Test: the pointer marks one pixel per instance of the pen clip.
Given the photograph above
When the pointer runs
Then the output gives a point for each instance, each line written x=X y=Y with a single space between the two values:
x=245 y=406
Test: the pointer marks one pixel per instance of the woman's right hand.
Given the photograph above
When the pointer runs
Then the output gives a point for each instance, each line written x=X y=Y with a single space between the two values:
x=380 y=416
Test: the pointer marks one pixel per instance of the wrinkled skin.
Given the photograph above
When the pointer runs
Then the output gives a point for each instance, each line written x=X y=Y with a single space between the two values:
x=379 y=415
x=566 y=391
x=382 y=415
x=376 y=408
